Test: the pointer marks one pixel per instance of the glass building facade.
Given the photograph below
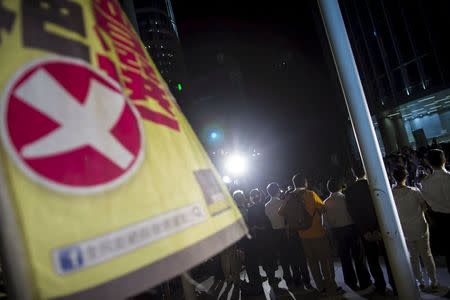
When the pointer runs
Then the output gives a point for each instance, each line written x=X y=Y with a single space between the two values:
x=158 y=31
x=401 y=51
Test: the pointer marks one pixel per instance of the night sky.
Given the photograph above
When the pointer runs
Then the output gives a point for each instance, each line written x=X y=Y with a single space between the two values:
x=294 y=111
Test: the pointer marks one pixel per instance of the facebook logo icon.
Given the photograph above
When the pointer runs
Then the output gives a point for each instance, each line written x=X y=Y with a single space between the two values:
x=70 y=259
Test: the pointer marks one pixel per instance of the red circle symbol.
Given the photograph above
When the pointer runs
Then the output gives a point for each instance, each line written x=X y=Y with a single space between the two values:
x=69 y=127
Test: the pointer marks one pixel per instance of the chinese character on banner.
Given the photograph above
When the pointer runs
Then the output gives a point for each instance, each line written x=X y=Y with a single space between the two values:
x=110 y=186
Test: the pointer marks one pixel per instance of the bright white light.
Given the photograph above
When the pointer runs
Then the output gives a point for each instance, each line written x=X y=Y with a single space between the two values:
x=226 y=179
x=236 y=164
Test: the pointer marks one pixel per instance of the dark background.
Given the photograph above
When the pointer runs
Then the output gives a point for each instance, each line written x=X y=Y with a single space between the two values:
x=294 y=112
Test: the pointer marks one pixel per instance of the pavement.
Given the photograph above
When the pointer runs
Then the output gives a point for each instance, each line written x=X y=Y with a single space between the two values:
x=224 y=292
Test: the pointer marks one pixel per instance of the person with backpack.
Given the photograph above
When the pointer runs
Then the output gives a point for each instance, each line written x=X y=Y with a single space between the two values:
x=302 y=209
x=287 y=241
x=346 y=235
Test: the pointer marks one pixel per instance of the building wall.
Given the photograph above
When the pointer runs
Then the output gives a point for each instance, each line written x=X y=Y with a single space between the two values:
x=396 y=48
x=401 y=51
x=157 y=28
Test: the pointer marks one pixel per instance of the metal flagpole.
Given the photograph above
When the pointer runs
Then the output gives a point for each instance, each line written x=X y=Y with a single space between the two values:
x=369 y=149
x=188 y=288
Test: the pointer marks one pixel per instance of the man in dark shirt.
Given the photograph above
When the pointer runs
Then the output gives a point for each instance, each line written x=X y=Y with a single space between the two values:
x=257 y=218
x=361 y=209
x=256 y=249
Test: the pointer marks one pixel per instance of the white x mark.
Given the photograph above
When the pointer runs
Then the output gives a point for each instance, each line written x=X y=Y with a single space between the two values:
x=87 y=124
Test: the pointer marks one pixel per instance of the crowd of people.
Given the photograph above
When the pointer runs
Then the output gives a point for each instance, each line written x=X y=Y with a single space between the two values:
x=296 y=229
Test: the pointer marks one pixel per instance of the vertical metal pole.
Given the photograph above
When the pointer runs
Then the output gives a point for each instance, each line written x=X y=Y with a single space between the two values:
x=166 y=288
x=172 y=17
x=188 y=289
x=370 y=151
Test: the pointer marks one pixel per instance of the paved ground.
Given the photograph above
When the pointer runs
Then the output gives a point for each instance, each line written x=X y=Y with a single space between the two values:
x=225 y=293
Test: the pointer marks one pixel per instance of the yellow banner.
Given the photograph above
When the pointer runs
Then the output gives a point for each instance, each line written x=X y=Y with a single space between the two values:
x=111 y=187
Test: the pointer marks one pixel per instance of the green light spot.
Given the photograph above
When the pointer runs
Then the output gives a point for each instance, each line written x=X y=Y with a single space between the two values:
x=179 y=87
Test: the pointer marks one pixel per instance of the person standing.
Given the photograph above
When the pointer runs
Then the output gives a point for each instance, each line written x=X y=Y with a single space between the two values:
x=436 y=191
x=315 y=242
x=297 y=261
x=256 y=252
x=279 y=242
x=230 y=258
x=410 y=206
x=361 y=210
x=348 y=241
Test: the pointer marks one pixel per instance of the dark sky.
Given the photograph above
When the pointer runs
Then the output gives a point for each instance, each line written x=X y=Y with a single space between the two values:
x=294 y=112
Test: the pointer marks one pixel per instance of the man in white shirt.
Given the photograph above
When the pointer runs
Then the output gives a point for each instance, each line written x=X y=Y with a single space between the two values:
x=279 y=239
x=436 y=187
x=272 y=207
x=410 y=206
x=436 y=191
x=349 y=246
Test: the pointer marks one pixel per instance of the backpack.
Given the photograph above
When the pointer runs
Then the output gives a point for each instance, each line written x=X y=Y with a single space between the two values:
x=296 y=215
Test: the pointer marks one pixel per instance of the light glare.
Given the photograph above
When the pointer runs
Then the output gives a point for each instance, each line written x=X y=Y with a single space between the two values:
x=236 y=164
